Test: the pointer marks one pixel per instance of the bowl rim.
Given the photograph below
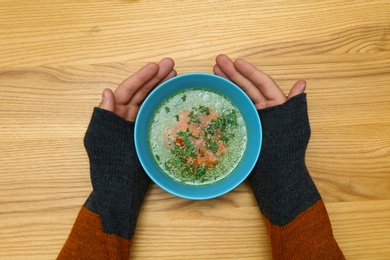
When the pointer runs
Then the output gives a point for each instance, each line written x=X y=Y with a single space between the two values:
x=194 y=192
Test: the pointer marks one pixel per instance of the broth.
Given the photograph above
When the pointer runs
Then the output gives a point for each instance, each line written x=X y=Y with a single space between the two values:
x=197 y=136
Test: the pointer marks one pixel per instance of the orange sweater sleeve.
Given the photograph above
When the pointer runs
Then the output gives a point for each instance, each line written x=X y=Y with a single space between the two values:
x=308 y=236
x=87 y=240
x=295 y=215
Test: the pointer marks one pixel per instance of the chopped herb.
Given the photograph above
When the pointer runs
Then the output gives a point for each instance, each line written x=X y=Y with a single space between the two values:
x=191 y=135
x=200 y=171
x=167 y=109
x=184 y=97
x=204 y=110
x=183 y=146
x=205 y=179
x=177 y=117
x=193 y=119
x=233 y=118
x=224 y=138
x=212 y=146
x=157 y=157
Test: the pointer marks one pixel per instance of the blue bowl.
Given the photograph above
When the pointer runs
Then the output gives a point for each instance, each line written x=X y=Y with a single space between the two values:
x=216 y=84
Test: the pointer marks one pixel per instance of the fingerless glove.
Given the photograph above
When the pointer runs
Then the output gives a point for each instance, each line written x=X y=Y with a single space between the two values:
x=118 y=179
x=280 y=180
x=296 y=218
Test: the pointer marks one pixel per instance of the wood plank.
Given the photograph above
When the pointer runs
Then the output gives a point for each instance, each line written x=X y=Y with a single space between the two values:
x=89 y=32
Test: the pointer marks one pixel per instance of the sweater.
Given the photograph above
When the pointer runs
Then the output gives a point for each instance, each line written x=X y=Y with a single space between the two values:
x=295 y=215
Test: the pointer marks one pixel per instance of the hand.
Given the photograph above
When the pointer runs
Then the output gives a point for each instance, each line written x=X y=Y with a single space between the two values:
x=118 y=180
x=280 y=180
x=260 y=87
x=128 y=97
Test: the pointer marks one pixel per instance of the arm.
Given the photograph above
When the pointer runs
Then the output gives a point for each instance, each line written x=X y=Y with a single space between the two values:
x=296 y=218
x=106 y=223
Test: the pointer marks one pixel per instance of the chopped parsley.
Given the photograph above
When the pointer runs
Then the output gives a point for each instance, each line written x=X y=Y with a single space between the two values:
x=193 y=118
x=204 y=110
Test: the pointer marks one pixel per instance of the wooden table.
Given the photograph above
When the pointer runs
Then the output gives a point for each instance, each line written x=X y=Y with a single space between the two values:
x=57 y=56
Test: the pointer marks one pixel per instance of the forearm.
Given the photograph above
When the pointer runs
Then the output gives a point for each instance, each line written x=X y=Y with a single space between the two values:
x=296 y=217
x=107 y=221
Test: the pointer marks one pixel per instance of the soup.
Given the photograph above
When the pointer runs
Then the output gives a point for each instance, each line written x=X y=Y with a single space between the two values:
x=197 y=136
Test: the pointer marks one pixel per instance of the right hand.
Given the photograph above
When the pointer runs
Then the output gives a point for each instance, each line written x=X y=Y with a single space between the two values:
x=260 y=87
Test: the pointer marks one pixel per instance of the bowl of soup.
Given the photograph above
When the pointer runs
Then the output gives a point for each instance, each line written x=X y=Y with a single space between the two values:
x=198 y=136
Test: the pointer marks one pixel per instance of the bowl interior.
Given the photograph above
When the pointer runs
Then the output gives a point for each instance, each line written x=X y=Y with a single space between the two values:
x=214 y=83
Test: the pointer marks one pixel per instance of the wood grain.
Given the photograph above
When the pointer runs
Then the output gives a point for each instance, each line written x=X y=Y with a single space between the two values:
x=57 y=56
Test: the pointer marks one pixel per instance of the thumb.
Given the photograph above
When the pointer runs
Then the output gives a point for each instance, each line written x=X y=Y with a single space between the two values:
x=298 y=88
x=108 y=100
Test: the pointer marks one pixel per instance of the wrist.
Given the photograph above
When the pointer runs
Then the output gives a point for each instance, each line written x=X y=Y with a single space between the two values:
x=286 y=126
x=108 y=132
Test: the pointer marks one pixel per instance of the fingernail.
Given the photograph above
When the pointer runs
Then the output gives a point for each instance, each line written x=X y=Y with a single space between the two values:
x=104 y=95
x=303 y=87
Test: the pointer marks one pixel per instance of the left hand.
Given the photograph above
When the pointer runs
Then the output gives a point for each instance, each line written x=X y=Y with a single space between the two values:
x=128 y=97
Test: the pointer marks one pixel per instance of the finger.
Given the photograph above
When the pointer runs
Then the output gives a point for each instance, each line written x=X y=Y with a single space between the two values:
x=132 y=113
x=108 y=100
x=165 y=72
x=264 y=83
x=226 y=65
x=126 y=90
x=298 y=88
x=171 y=74
x=217 y=71
x=165 y=67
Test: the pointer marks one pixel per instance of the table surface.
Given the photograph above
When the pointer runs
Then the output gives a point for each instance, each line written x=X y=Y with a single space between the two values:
x=57 y=56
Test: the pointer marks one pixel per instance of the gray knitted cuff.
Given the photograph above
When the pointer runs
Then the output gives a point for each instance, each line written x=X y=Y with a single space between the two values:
x=280 y=181
x=118 y=179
